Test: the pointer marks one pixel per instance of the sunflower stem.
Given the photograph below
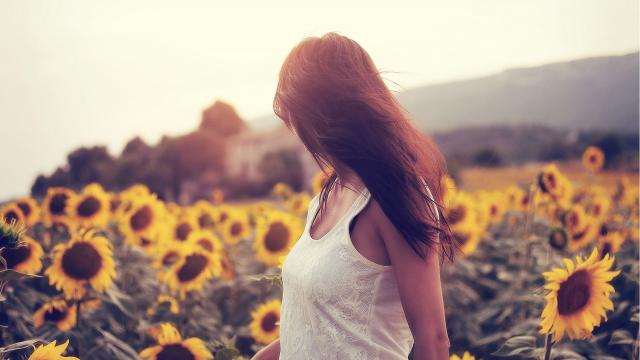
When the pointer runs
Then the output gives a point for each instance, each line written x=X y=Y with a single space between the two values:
x=78 y=312
x=634 y=348
x=548 y=343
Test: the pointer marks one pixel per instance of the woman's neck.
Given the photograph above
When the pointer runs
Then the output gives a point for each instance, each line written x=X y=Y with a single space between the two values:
x=351 y=180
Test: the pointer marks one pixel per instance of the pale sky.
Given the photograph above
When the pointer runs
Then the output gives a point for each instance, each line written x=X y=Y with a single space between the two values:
x=80 y=72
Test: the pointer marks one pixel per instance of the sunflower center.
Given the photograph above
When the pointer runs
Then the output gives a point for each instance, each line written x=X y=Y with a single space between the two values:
x=236 y=229
x=597 y=210
x=169 y=258
x=11 y=216
x=55 y=315
x=572 y=220
x=578 y=236
x=550 y=181
x=574 y=293
x=606 y=249
x=558 y=239
x=193 y=266
x=16 y=256
x=182 y=231
x=456 y=215
x=175 y=352
x=145 y=241
x=81 y=261
x=268 y=323
x=58 y=203
x=493 y=210
x=26 y=209
x=88 y=207
x=205 y=221
x=277 y=237
x=141 y=219
x=206 y=244
x=223 y=216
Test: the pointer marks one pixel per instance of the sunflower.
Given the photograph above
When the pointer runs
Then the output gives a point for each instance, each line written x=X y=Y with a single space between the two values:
x=575 y=218
x=85 y=260
x=58 y=312
x=168 y=254
x=513 y=194
x=626 y=192
x=222 y=213
x=121 y=203
x=30 y=210
x=579 y=238
x=276 y=232
x=165 y=300
x=51 y=352
x=205 y=240
x=599 y=207
x=12 y=214
x=460 y=212
x=610 y=243
x=593 y=158
x=192 y=270
x=10 y=234
x=495 y=207
x=298 y=203
x=259 y=209
x=578 y=297
x=265 y=326
x=56 y=204
x=143 y=223
x=558 y=238
x=171 y=346
x=236 y=227
x=204 y=213
x=92 y=207
x=555 y=185
x=182 y=225
x=465 y=356
x=281 y=190
x=26 y=258
x=548 y=178
x=228 y=271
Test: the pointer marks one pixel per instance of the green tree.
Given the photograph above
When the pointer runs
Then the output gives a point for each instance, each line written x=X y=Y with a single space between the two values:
x=282 y=165
x=222 y=119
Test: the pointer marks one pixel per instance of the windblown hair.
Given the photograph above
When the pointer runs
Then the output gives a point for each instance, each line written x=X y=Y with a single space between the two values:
x=331 y=95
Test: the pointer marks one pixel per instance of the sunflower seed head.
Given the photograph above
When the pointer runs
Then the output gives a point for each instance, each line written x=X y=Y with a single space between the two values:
x=10 y=234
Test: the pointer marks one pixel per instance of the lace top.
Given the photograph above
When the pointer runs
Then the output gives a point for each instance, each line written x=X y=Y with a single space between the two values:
x=337 y=304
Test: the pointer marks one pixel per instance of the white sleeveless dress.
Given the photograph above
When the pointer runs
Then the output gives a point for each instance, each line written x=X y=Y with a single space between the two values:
x=337 y=304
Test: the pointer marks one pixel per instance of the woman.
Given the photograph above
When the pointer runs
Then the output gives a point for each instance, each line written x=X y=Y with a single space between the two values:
x=363 y=280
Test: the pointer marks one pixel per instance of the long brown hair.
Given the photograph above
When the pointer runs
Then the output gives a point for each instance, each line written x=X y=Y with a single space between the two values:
x=331 y=95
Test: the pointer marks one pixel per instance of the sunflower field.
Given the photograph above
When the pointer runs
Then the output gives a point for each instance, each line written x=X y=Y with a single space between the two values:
x=548 y=270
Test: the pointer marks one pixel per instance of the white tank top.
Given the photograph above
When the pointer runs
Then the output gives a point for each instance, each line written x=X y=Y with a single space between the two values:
x=336 y=303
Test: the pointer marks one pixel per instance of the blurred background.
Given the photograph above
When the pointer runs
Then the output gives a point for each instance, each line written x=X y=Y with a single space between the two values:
x=178 y=96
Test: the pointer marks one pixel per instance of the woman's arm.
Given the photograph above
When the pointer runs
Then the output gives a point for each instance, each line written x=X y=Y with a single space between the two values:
x=269 y=352
x=420 y=290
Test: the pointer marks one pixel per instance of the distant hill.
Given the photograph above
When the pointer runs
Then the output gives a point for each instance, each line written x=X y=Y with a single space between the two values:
x=592 y=93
